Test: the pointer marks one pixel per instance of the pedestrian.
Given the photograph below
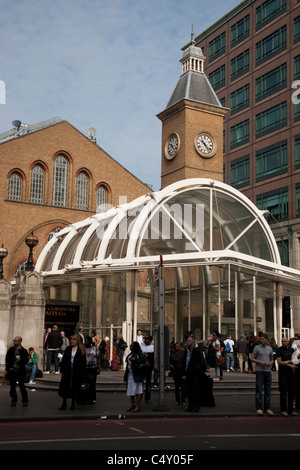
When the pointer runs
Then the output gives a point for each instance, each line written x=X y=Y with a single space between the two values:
x=65 y=342
x=243 y=353
x=53 y=345
x=122 y=346
x=228 y=349
x=148 y=350
x=195 y=368
x=80 y=332
x=15 y=362
x=134 y=376
x=263 y=358
x=95 y=338
x=72 y=368
x=286 y=377
x=214 y=355
x=296 y=360
x=140 y=338
x=274 y=347
x=252 y=342
x=32 y=365
x=46 y=333
x=177 y=371
x=92 y=367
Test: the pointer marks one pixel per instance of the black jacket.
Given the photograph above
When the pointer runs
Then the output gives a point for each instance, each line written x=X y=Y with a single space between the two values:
x=10 y=359
x=54 y=340
x=196 y=365
x=138 y=367
x=71 y=376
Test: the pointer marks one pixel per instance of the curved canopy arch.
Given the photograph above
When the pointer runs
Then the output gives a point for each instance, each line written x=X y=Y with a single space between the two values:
x=195 y=219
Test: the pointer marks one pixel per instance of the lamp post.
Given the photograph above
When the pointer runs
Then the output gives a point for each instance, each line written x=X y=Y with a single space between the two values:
x=31 y=241
x=3 y=254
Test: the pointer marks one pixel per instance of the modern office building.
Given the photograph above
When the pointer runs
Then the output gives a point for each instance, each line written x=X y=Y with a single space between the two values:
x=253 y=63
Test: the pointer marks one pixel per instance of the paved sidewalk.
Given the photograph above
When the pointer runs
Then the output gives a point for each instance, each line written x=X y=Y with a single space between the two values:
x=234 y=396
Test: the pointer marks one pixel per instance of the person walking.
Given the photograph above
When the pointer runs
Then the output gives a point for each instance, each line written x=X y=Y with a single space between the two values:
x=228 y=349
x=53 y=344
x=134 y=376
x=72 y=368
x=263 y=358
x=286 y=377
x=15 y=361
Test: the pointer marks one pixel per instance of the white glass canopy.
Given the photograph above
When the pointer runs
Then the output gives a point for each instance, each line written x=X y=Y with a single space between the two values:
x=195 y=221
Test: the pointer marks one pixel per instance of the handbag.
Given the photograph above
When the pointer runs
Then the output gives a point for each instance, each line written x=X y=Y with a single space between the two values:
x=220 y=360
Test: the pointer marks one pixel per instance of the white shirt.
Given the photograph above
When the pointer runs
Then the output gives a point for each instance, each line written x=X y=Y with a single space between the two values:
x=147 y=348
x=140 y=339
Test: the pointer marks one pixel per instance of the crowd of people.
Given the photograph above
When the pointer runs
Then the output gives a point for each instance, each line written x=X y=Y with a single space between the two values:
x=79 y=360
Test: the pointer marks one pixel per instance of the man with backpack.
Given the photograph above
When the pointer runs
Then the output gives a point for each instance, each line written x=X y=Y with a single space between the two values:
x=229 y=356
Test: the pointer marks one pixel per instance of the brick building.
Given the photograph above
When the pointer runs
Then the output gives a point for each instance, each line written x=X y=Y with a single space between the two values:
x=253 y=61
x=53 y=176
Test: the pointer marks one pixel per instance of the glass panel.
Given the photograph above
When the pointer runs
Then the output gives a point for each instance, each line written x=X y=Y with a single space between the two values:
x=15 y=187
x=47 y=266
x=101 y=199
x=37 y=184
x=60 y=181
x=230 y=218
x=82 y=191
x=69 y=253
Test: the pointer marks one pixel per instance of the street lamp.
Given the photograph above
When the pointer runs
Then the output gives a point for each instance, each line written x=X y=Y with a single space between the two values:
x=31 y=241
x=3 y=254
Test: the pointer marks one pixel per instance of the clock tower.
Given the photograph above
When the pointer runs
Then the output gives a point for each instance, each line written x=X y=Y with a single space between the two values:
x=192 y=125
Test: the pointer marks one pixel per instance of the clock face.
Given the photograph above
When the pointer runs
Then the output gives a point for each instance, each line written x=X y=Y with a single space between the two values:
x=205 y=145
x=172 y=146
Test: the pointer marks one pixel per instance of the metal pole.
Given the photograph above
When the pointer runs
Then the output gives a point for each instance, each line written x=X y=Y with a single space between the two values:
x=161 y=341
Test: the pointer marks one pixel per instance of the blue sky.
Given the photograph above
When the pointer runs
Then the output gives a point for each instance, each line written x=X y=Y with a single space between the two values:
x=111 y=65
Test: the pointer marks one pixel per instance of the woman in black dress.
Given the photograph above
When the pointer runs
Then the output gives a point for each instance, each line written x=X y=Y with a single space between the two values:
x=72 y=368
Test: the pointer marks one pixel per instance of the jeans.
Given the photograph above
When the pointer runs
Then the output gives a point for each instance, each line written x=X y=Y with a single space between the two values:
x=263 y=380
x=52 y=355
x=33 y=370
x=229 y=360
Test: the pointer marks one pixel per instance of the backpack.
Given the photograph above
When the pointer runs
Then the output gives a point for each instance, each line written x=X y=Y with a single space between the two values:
x=227 y=347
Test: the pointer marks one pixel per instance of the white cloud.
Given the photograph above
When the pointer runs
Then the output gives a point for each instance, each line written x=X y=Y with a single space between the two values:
x=109 y=65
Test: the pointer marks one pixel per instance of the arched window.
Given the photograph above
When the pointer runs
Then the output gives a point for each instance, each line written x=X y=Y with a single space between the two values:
x=60 y=181
x=82 y=191
x=55 y=230
x=37 y=184
x=101 y=199
x=15 y=187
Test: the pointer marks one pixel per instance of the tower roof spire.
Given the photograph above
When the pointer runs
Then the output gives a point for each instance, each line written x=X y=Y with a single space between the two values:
x=193 y=42
x=193 y=58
